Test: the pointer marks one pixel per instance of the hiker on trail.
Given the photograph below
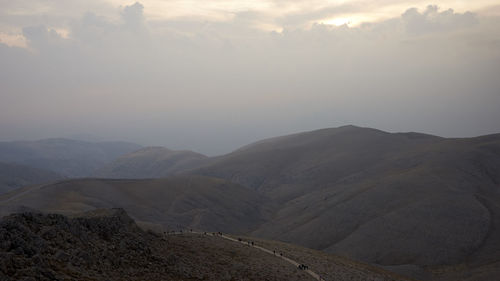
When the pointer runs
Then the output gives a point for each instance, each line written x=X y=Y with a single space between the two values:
x=252 y=243
x=274 y=252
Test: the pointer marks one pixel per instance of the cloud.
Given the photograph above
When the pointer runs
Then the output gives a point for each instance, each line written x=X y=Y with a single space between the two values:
x=302 y=18
x=213 y=86
x=133 y=15
x=40 y=37
x=432 y=20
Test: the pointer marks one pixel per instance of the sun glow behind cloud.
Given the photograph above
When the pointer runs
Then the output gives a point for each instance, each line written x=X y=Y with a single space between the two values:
x=267 y=15
x=352 y=20
x=271 y=11
x=13 y=39
x=364 y=10
x=338 y=21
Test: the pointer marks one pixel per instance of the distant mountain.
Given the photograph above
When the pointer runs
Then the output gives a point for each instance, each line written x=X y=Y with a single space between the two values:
x=13 y=176
x=69 y=158
x=188 y=202
x=151 y=162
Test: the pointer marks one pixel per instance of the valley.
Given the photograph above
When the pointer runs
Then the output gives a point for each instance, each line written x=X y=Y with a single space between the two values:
x=424 y=206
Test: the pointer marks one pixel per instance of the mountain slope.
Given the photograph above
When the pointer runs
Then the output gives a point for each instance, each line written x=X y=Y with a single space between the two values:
x=290 y=166
x=433 y=200
x=189 y=202
x=108 y=245
x=151 y=162
x=13 y=176
x=407 y=201
x=69 y=158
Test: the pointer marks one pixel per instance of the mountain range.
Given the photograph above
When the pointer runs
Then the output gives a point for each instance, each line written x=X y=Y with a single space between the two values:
x=13 y=176
x=151 y=162
x=418 y=204
x=68 y=158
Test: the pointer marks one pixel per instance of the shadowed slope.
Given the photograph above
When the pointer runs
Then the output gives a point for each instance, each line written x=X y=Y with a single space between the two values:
x=290 y=166
x=397 y=200
x=188 y=202
x=69 y=158
x=151 y=162
x=385 y=198
x=108 y=245
x=13 y=176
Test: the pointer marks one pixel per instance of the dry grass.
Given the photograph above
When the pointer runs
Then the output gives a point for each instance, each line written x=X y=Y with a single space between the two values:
x=214 y=258
x=328 y=266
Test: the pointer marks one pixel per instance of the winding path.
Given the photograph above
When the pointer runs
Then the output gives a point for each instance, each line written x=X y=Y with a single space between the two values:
x=296 y=264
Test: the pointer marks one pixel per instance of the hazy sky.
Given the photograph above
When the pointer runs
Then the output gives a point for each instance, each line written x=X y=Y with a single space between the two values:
x=214 y=75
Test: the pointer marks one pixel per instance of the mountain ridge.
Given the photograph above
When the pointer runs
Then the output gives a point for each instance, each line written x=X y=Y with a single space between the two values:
x=433 y=199
x=151 y=162
x=69 y=158
x=108 y=244
x=13 y=176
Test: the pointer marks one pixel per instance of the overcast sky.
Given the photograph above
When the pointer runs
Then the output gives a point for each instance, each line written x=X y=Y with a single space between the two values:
x=211 y=76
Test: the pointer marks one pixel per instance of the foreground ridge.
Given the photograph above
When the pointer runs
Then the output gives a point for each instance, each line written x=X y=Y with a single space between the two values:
x=108 y=245
x=361 y=270
x=252 y=244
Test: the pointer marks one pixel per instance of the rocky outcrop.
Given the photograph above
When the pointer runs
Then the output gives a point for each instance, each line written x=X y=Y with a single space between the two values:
x=108 y=245
x=98 y=245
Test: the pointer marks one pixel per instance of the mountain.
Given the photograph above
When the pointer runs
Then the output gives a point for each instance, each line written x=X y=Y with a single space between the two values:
x=151 y=162
x=189 y=202
x=108 y=245
x=414 y=203
x=290 y=166
x=69 y=158
x=14 y=176
x=385 y=198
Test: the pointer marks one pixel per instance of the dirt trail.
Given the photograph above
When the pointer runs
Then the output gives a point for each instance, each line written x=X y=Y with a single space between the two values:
x=276 y=254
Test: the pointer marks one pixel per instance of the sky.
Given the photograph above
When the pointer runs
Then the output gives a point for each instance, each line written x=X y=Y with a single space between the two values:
x=211 y=76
